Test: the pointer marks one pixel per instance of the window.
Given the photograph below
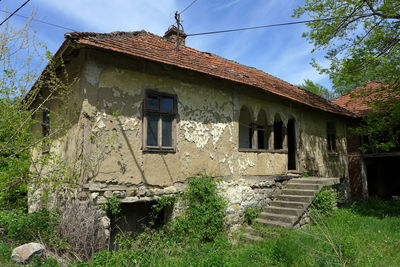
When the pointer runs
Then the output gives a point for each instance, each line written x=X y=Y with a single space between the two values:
x=159 y=121
x=253 y=136
x=278 y=132
x=331 y=135
x=45 y=130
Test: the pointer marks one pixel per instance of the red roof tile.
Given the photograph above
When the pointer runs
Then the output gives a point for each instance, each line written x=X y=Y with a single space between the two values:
x=149 y=46
x=359 y=100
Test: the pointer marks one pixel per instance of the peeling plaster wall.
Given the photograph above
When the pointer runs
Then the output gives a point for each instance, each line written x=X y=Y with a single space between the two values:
x=207 y=126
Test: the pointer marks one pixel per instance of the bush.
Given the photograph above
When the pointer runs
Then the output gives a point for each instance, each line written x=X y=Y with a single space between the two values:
x=28 y=227
x=325 y=202
x=80 y=230
x=204 y=218
x=251 y=213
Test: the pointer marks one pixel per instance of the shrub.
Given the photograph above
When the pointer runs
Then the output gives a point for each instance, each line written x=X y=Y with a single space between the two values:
x=251 y=213
x=112 y=205
x=204 y=218
x=27 y=227
x=325 y=202
x=80 y=230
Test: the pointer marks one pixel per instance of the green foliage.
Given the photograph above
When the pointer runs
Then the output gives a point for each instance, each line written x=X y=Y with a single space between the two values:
x=251 y=213
x=325 y=202
x=116 y=113
x=362 y=234
x=112 y=205
x=362 y=45
x=43 y=262
x=316 y=88
x=28 y=227
x=205 y=213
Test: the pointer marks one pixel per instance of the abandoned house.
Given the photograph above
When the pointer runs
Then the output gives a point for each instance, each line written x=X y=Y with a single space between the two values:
x=149 y=112
x=372 y=173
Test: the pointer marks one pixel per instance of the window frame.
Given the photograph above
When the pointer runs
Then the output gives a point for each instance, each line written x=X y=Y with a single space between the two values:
x=45 y=123
x=331 y=136
x=160 y=114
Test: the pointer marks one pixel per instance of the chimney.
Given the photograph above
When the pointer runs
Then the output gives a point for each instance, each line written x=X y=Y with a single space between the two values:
x=172 y=35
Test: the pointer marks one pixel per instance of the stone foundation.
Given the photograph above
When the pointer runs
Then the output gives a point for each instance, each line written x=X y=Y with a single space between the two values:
x=250 y=191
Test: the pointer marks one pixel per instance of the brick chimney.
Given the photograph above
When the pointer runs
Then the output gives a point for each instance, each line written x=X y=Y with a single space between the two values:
x=172 y=35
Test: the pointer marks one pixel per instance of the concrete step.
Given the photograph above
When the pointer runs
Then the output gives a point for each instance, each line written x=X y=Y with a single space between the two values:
x=252 y=238
x=299 y=192
x=274 y=223
x=295 y=198
x=278 y=217
x=288 y=204
x=316 y=180
x=281 y=210
x=304 y=186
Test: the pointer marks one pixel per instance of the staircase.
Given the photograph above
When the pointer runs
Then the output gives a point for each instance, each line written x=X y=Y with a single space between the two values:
x=288 y=207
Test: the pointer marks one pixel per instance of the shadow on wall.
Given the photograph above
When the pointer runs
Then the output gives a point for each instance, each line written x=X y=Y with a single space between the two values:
x=317 y=161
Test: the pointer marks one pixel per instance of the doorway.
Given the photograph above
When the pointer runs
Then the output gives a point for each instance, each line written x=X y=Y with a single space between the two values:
x=291 y=139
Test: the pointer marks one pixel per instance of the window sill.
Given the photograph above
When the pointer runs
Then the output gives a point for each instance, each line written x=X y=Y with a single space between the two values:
x=333 y=153
x=279 y=151
x=159 y=150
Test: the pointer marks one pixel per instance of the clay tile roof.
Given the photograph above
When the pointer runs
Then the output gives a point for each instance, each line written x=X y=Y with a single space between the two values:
x=149 y=46
x=357 y=100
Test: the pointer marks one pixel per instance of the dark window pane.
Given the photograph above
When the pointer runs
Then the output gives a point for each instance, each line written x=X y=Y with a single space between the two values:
x=46 y=122
x=152 y=130
x=152 y=102
x=167 y=131
x=260 y=135
x=167 y=104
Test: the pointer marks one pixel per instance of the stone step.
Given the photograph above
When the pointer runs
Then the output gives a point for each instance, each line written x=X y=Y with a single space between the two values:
x=299 y=192
x=281 y=210
x=274 y=223
x=277 y=217
x=252 y=238
x=295 y=198
x=288 y=204
x=304 y=186
x=316 y=180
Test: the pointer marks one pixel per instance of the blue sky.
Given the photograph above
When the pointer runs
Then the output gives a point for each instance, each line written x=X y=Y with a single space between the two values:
x=279 y=51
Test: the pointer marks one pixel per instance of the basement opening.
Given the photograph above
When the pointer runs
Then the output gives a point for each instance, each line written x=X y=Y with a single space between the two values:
x=134 y=218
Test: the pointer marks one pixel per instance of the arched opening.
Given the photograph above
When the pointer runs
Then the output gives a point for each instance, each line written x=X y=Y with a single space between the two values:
x=278 y=132
x=291 y=139
x=263 y=131
x=245 y=129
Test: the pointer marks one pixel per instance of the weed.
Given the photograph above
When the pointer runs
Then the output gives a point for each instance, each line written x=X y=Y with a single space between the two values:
x=251 y=213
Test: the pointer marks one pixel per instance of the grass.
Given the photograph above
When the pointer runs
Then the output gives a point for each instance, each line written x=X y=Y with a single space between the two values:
x=364 y=234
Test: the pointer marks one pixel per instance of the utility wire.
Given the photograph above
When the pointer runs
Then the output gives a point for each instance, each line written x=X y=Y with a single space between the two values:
x=41 y=21
x=186 y=8
x=12 y=14
x=273 y=25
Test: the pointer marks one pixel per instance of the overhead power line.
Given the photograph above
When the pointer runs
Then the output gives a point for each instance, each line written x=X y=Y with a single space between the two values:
x=12 y=14
x=272 y=25
x=41 y=21
x=186 y=8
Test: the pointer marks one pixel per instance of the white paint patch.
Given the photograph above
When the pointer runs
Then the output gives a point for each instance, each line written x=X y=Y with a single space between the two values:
x=195 y=132
x=244 y=164
x=217 y=131
x=92 y=72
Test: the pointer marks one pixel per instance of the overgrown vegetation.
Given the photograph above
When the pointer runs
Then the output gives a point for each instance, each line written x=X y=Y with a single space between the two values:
x=251 y=213
x=325 y=201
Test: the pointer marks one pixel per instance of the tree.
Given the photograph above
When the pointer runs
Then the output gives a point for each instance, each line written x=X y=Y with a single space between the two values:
x=316 y=88
x=362 y=40
x=22 y=59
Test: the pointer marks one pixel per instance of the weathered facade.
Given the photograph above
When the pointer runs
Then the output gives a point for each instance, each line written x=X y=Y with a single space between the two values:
x=141 y=127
